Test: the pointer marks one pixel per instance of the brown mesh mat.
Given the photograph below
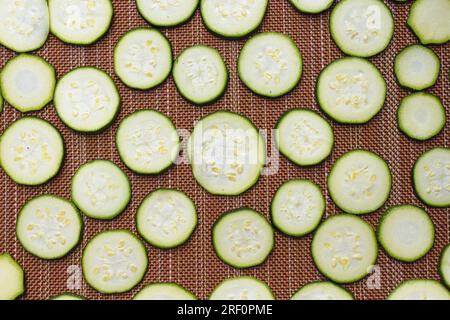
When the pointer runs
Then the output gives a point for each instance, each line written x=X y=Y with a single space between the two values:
x=195 y=266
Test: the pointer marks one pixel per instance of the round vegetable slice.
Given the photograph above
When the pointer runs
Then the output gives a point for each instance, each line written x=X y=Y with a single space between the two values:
x=431 y=176
x=361 y=28
x=28 y=82
x=351 y=90
x=143 y=58
x=297 y=207
x=114 y=261
x=227 y=153
x=312 y=6
x=12 y=282
x=101 y=190
x=243 y=238
x=24 y=24
x=444 y=266
x=166 y=218
x=322 y=291
x=242 y=288
x=200 y=74
x=49 y=227
x=31 y=151
x=68 y=297
x=148 y=142
x=406 y=233
x=304 y=137
x=233 y=19
x=344 y=248
x=166 y=13
x=420 y=289
x=417 y=67
x=79 y=21
x=87 y=100
x=359 y=182
x=270 y=64
x=164 y=291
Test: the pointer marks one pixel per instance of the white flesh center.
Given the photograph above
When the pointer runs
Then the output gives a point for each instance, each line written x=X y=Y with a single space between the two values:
x=420 y=290
x=417 y=67
x=163 y=292
x=445 y=266
x=242 y=289
x=11 y=278
x=166 y=12
x=430 y=21
x=312 y=6
x=321 y=291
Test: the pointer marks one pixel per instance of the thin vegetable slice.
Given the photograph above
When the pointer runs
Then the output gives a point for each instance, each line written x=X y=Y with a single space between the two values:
x=12 y=282
x=166 y=13
x=164 y=291
x=322 y=291
x=242 y=288
x=420 y=289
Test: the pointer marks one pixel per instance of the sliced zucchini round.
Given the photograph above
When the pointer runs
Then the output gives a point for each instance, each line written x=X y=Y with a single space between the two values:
x=49 y=227
x=68 y=297
x=101 y=190
x=148 y=142
x=421 y=116
x=87 y=100
x=28 y=82
x=31 y=151
x=166 y=218
x=166 y=13
x=428 y=19
x=242 y=288
x=233 y=19
x=312 y=6
x=444 y=266
x=79 y=21
x=304 y=137
x=143 y=58
x=24 y=24
x=227 y=153
x=417 y=67
x=351 y=90
x=270 y=64
x=344 y=248
x=200 y=74
x=12 y=280
x=420 y=289
x=322 y=291
x=361 y=28
x=359 y=182
x=406 y=233
x=164 y=291
x=114 y=261
x=431 y=176
x=243 y=238
x=297 y=207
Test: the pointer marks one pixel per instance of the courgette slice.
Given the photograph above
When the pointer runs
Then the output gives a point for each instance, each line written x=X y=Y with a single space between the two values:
x=164 y=291
x=242 y=288
x=167 y=13
x=322 y=291
x=444 y=266
x=420 y=289
x=12 y=281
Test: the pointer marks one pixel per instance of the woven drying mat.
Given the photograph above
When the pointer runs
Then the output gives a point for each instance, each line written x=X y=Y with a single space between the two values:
x=195 y=265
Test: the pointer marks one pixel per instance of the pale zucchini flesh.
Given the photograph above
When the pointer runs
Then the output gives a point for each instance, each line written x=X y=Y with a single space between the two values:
x=322 y=291
x=164 y=292
x=12 y=282
x=444 y=266
x=242 y=288
x=420 y=289
x=68 y=297
x=166 y=13
x=312 y=6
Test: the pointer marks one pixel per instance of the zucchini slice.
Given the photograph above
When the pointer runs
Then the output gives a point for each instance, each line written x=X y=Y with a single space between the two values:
x=344 y=248
x=87 y=100
x=243 y=238
x=164 y=291
x=227 y=153
x=297 y=207
x=312 y=6
x=68 y=297
x=79 y=21
x=12 y=280
x=421 y=116
x=417 y=67
x=101 y=190
x=431 y=176
x=304 y=137
x=351 y=90
x=1 y=98
x=361 y=28
x=24 y=24
x=406 y=233
x=270 y=64
x=444 y=266
x=428 y=19
x=231 y=18
x=359 y=182
x=166 y=13
x=420 y=289
x=49 y=227
x=242 y=288
x=143 y=58
x=200 y=74
x=322 y=291
x=31 y=151
x=114 y=261
x=148 y=142
x=28 y=82
x=166 y=218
